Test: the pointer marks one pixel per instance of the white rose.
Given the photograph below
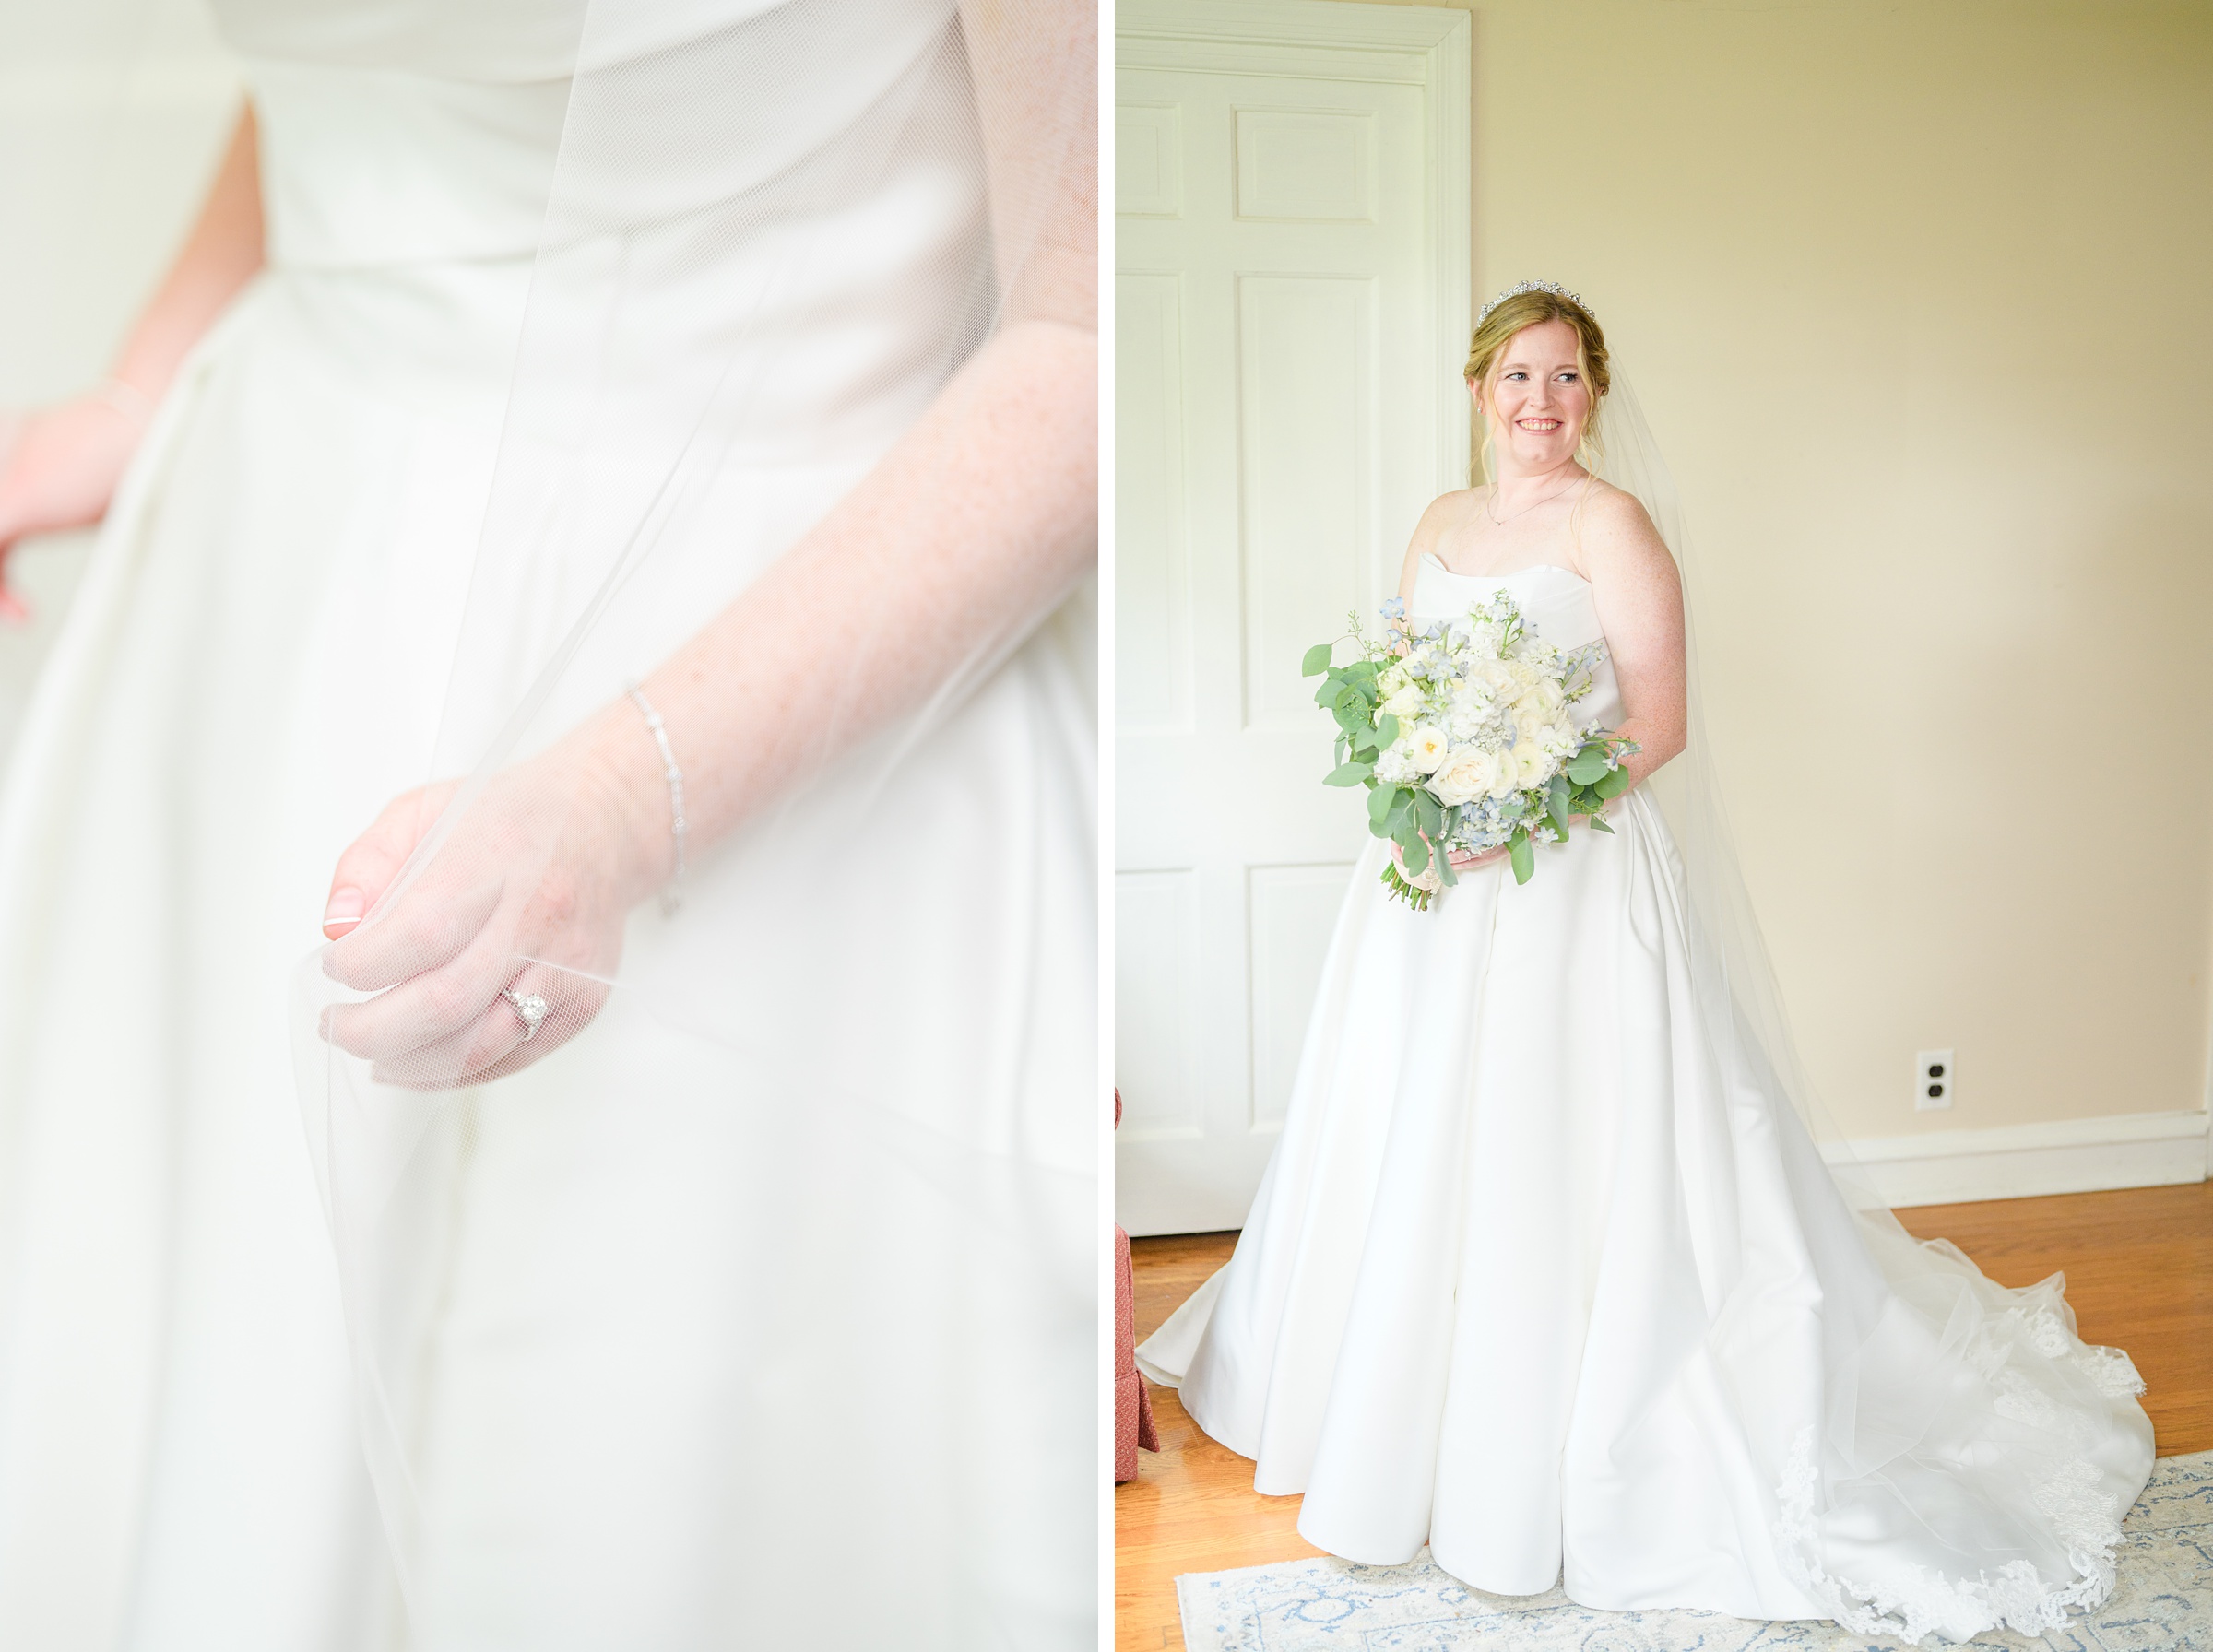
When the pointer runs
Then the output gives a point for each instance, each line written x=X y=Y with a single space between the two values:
x=1466 y=776
x=1405 y=702
x=1427 y=747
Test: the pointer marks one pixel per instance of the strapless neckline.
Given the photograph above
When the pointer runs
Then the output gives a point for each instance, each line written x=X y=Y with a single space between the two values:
x=1437 y=562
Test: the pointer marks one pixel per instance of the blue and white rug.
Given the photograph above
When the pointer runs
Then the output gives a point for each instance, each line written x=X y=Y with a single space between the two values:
x=2162 y=1603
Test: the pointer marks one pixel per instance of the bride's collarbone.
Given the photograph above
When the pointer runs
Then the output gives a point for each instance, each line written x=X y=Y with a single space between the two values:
x=1473 y=546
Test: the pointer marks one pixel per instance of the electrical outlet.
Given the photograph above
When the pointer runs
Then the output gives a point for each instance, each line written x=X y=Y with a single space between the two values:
x=1935 y=1080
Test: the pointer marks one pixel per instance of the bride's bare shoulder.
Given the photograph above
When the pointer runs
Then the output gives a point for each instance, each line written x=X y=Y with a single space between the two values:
x=1617 y=535
x=1445 y=512
x=1619 y=519
x=1448 y=511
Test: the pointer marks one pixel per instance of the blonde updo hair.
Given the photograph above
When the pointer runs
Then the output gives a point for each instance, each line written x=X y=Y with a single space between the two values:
x=1524 y=310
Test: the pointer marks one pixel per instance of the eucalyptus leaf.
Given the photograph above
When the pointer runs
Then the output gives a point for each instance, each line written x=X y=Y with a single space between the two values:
x=1318 y=659
x=1379 y=804
x=1417 y=854
x=1349 y=773
x=1586 y=765
x=1387 y=729
x=1524 y=857
x=1615 y=783
x=1431 y=816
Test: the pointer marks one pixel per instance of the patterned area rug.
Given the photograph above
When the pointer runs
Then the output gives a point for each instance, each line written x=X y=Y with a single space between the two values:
x=2163 y=1603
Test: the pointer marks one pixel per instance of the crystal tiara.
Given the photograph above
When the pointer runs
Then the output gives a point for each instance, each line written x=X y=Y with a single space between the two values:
x=1553 y=287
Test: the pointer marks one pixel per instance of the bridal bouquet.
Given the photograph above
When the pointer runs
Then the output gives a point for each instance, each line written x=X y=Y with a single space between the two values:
x=1466 y=740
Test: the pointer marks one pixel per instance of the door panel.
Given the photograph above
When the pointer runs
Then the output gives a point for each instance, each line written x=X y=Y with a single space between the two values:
x=1279 y=427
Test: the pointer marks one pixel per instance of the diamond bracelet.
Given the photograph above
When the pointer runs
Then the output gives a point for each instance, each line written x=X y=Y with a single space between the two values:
x=673 y=896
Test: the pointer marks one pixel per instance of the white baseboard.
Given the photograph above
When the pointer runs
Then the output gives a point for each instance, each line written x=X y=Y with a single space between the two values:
x=2072 y=1155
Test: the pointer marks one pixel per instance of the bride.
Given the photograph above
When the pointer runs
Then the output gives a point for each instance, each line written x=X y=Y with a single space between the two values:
x=1546 y=1272
x=596 y=528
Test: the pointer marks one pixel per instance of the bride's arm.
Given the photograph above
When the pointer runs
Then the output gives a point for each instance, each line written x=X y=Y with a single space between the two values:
x=975 y=524
x=1639 y=594
x=62 y=467
x=971 y=528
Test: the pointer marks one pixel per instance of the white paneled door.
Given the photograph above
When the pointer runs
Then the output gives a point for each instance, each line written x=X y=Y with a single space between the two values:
x=1292 y=300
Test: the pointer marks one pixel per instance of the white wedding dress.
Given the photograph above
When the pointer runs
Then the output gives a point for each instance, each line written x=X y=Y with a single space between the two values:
x=700 y=1367
x=1530 y=1281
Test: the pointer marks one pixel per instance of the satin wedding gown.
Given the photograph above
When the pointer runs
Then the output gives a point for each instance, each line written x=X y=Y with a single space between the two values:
x=1526 y=1282
x=696 y=1372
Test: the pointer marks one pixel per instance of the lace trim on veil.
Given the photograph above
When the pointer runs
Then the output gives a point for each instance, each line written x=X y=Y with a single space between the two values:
x=1911 y=1600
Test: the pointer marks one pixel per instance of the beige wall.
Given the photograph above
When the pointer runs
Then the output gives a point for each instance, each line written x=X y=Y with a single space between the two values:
x=1919 y=301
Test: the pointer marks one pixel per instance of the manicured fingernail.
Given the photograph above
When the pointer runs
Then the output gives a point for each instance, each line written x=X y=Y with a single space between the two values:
x=345 y=907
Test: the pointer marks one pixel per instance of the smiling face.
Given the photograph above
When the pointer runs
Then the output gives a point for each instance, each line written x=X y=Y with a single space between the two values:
x=1535 y=397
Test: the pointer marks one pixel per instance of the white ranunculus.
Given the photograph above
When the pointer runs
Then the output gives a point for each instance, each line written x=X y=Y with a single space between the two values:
x=1426 y=745
x=1541 y=703
x=1466 y=776
x=1405 y=703
x=1532 y=763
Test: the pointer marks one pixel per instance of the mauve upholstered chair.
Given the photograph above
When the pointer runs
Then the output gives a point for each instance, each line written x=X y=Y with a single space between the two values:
x=1133 y=1429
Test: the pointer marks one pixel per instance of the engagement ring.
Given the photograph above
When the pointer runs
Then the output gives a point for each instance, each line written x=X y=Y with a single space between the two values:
x=531 y=1007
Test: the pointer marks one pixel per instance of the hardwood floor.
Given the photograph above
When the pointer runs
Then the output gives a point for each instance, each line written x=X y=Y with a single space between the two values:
x=2139 y=1268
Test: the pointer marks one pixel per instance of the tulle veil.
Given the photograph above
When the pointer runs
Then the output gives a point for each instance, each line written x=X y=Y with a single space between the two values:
x=1736 y=988
x=905 y=1267
x=1945 y=1415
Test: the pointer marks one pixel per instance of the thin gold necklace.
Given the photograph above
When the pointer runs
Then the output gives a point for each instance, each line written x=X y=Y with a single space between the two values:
x=1491 y=497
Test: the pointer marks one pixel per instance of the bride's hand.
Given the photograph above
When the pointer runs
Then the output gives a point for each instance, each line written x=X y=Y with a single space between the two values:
x=1459 y=860
x=528 y=894
x=58 y=469
x=1462 y=860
